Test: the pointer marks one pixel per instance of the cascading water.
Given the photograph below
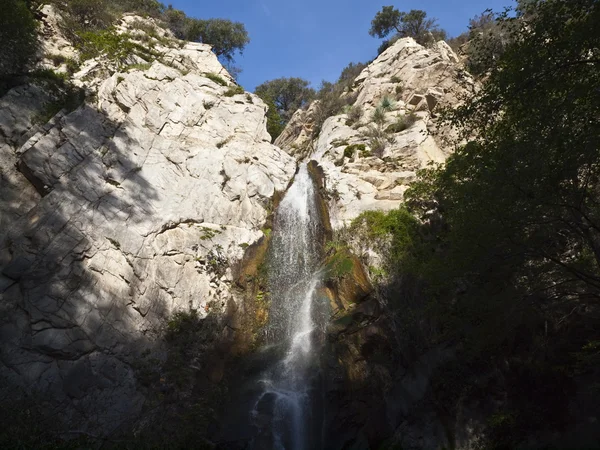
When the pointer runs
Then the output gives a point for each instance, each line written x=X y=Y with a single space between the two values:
x=296 y=321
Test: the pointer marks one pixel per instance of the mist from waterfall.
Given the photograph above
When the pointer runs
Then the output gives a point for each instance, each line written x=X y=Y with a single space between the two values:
x=296 y=320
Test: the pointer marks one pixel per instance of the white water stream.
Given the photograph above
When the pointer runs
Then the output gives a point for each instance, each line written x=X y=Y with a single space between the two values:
x=295 y=319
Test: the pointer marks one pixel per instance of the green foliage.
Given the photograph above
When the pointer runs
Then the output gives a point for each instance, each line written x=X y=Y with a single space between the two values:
x=350 y=72
x=142 y=67
x=64 y=96
x=402 y=123
x=378 y=116
x=216 y=78
x=275 y=123
x=350 y=150
x=401 y=228
x=527 y=175
x=514 y=218
x=18 y=37
x=488 y=39
x=287 y=94
x=71 y=64
x=234 y=90
x=387 y=104
x=339 y=262
x=225 y=37
x=354 y=114
x=413 y=24
x=116 y=47
x=385 y=21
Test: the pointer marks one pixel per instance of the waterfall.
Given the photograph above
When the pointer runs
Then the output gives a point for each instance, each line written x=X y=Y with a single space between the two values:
x=296 y=320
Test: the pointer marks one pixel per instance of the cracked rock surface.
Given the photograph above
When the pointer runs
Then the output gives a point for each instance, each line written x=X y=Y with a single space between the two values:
x=416 y=81
x=131 y=207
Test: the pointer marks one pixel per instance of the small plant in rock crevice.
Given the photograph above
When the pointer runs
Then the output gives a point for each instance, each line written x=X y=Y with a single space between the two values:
x=234 y=90
x=403 y=123
x=216 y=78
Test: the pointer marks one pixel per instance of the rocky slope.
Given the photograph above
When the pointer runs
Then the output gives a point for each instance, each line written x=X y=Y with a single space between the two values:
x=133 y=206
x=407 y=82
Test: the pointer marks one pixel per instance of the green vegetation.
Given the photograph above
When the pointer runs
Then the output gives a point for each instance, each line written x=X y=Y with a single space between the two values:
x=378 y=116
x=216 y=78
x=413 y=24
x=283 y=96
x=339 y=261
x=18 y=37
x=497 y=252
x=225 y=37
x=350 y=150
x=145 y=66
x=288 y=95
x=234 y=90
x=64 y=96
x=82 y=17
x=334 y=98
x=387 y=104
x=402 y=123
x=354 y=114
x=275 y=123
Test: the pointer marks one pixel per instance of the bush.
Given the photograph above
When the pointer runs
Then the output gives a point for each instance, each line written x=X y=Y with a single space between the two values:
x=225 y=37
x=378 y=116
x=377 y=145
x=355 y=113
x=275 y=123
x=64 y=95
x=403 y=123
x=234 y=90
x=216 y=78
x=386 y=104
x=350 y=150
x=95 y=43
x=18 y=37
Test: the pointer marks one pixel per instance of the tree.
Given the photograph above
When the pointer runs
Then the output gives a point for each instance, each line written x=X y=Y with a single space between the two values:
x=18 y=37
x=225 y=37
x=514 y=215
x=488 y=39
x=275 y=123
x=287 y=94
x=520 y=201
x=385 y=21
x=413 y=24
x=350 y=72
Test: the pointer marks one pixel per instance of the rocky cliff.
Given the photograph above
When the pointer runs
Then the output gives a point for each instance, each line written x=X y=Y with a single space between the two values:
x=369 y=159
x=136 y=204
x=377 y=386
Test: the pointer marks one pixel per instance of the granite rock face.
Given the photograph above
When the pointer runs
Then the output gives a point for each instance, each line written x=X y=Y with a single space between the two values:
x=407 y=83
x=133 y=206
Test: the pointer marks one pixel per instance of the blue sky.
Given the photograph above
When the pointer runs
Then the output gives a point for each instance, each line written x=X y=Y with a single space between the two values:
x=316 y=39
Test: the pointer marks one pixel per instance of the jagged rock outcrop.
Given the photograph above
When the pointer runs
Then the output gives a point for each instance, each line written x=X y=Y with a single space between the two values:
x=145 y=198
x=408 y=83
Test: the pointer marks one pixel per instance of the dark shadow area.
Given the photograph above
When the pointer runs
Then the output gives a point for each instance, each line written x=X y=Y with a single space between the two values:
x=68 y=342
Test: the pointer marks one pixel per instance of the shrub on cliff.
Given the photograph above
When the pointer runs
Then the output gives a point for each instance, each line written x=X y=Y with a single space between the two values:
x=225 y=36
x=18 y=37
